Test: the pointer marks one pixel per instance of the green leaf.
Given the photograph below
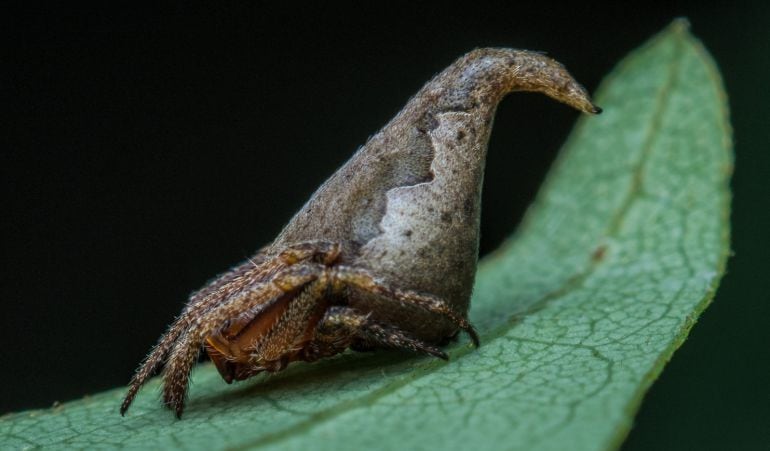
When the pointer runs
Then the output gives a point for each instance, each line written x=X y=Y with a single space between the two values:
x=578 y=312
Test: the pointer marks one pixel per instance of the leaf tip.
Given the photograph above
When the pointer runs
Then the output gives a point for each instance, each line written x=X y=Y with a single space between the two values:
x=680 y=25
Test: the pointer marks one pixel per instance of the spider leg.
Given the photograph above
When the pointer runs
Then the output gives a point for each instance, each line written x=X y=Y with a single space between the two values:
x=362 y=279
x=176 y=373
x=203 y=300
x=345 y=326
x=217 y=292
x=295 y=326
x=385 y=335
x=184 y=353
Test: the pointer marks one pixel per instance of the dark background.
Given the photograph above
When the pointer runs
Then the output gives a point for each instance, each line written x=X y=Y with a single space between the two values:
x=142 y=155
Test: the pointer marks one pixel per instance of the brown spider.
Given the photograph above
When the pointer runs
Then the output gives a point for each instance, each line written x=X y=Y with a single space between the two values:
x=382 y=256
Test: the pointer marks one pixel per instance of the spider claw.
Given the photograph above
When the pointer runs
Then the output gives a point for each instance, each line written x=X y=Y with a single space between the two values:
x=125 y=405
x=177 y=406
x=473 y=335
x=178 y=410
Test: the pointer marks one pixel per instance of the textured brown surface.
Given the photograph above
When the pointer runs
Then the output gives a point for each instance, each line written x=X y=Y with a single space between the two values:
x=407 y=204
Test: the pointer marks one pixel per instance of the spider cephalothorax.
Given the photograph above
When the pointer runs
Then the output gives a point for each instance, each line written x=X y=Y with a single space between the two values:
x=382 y=256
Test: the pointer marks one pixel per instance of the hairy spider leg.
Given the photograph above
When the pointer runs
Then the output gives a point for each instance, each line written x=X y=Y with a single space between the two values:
x=200 y=302
x=343 y=325
x=294 y=328
x=362 y=279
x=176 y=373
x=185 y=351
x=214 y=294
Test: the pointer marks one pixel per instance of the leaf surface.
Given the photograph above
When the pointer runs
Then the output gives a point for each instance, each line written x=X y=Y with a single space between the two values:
x=578 y=311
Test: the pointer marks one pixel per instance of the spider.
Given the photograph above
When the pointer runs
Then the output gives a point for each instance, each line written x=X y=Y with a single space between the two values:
x=382 y=256
x=279 y=310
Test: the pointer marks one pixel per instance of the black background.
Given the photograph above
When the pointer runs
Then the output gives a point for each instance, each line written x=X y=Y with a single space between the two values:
x=144 y=154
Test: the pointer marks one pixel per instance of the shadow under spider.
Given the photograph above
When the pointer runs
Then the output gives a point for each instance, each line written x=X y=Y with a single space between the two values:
x=302 y=376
